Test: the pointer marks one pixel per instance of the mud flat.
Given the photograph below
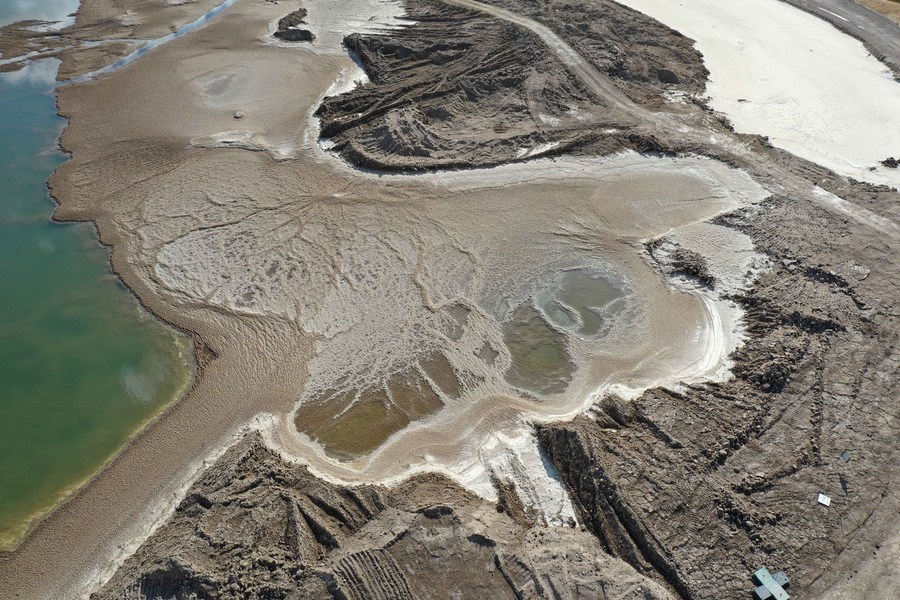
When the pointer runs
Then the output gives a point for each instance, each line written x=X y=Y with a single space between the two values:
x=327 y=264
x=188 y=226
x=312 y=283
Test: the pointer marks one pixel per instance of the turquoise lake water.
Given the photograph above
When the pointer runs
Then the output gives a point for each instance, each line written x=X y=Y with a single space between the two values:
x=82 y=366
x=42 y=10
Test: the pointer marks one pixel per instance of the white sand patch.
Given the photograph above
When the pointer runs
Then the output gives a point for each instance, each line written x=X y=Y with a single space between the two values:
x=537 y=150
x=517 y=459
x=549 y=120
x=780 y=72
x=857 y=213
x=835 y=15
x=730 y=255
x=735 y=187
x=129 y=19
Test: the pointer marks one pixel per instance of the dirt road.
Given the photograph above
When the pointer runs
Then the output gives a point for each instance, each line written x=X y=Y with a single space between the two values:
x=593 y=79
x=660 y=122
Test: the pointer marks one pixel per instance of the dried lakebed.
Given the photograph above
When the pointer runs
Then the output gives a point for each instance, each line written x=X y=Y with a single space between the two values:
x=400 y=283
x=306 y=278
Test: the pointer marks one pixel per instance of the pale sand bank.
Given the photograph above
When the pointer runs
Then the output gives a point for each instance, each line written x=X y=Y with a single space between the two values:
x=781 y=72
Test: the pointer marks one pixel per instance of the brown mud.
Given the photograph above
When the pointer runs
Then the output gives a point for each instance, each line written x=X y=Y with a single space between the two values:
x=463 y=89
x=256 y=527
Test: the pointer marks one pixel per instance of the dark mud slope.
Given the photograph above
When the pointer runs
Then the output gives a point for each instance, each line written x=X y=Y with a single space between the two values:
x=642 y=56
x=462 y=89
x=705 y=486
x=257 y=528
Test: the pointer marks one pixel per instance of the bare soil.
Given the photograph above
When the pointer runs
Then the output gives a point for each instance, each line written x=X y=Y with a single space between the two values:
x=681 y=492
x=694 y=487
x=257 y=527
x=463 y=89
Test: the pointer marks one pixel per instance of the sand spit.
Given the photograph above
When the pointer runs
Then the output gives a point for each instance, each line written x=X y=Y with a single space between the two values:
x=102 y=33
x=151 y=45
x=781 y=72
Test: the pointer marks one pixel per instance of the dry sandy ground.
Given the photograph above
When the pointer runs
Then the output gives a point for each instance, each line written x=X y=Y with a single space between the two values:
x=789 y=75
x=300 y=275
x=890 y=8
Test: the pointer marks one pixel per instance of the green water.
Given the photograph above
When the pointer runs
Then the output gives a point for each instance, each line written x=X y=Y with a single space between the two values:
x=536 y=333
x=82 y=366
x=578 y=300
x=541 y=362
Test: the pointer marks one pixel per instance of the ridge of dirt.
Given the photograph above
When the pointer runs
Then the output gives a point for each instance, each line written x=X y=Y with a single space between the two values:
x=463 y=89
x=703 y=485
x=257 y=527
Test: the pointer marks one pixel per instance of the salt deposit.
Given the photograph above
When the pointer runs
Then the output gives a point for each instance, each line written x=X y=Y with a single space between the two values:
x=781 y=72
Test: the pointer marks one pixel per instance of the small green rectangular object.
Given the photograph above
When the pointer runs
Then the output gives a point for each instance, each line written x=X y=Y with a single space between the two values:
x=764 y=578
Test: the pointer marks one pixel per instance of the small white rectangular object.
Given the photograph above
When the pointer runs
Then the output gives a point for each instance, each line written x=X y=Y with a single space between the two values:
x=824 y=500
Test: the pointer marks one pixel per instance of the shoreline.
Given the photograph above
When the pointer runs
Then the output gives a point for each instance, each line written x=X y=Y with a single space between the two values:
x=156 y=515
x=183 y=347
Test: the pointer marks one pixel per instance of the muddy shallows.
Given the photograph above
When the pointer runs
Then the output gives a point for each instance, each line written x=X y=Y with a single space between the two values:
x=527 y=353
